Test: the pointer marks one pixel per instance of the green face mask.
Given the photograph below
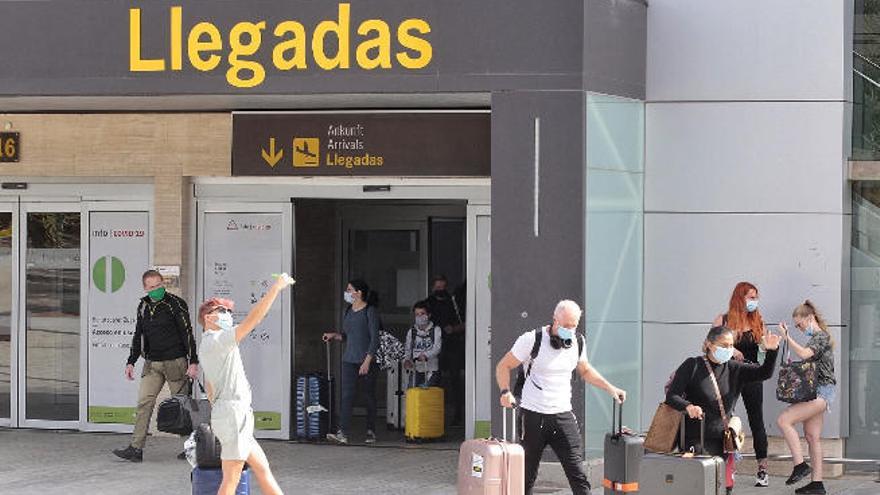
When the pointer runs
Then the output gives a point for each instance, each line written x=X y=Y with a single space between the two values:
x=157 y=294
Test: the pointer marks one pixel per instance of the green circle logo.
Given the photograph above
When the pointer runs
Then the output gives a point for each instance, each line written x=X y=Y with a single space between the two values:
x=116 y=274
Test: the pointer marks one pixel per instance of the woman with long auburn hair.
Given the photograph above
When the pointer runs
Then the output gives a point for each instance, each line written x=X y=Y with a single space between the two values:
x=744 y=318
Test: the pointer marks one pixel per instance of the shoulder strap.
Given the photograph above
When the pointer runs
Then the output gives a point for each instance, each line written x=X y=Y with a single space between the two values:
x=580 y=339
x=536 y=348
x=455 y=307
x=717 y=391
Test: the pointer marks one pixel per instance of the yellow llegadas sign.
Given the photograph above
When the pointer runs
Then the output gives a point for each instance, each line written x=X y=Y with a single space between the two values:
x=205 y=47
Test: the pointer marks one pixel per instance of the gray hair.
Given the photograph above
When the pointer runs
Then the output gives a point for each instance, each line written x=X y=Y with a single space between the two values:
x=567 y=306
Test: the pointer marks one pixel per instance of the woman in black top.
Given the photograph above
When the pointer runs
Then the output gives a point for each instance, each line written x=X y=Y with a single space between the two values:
x=692 y=389
x=744 y=318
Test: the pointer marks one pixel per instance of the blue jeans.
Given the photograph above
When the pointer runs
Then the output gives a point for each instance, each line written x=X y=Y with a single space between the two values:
x=350 y=381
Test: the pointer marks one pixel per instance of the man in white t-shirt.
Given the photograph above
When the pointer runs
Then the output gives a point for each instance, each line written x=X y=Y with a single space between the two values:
x=546 y=412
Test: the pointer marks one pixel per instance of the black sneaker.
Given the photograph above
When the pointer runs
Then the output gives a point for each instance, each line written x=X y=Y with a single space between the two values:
x=815 y=488
x=130 y=454
x=799 y=472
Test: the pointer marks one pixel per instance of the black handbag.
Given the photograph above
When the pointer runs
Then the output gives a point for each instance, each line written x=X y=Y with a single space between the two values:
x=797 y=379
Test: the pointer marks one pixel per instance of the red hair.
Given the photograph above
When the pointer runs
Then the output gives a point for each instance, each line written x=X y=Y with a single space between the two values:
x=738 y=319
x=211 y=305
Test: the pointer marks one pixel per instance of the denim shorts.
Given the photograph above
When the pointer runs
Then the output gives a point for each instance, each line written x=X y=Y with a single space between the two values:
x=827 y=392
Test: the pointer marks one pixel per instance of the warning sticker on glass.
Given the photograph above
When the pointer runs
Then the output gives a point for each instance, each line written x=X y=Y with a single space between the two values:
x=477 y=466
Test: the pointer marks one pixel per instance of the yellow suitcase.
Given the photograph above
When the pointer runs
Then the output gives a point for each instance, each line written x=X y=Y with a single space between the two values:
x=424 y=414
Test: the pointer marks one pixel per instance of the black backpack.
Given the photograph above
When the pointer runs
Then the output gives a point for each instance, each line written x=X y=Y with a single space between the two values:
x=523 y=373
x=207 y=447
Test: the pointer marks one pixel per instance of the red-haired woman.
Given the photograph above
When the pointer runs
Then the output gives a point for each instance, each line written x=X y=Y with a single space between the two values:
x=744 y=318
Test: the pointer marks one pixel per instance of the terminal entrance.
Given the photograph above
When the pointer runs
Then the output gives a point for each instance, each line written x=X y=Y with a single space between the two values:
x=397 y=248
x=327 y=235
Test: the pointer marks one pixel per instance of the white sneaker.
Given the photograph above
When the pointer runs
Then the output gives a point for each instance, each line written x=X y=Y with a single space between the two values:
x=762 y=479
x=371 y=437
x=338 y=437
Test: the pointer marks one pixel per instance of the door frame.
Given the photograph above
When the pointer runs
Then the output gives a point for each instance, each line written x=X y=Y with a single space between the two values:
x=471 y=346
x=288 y=229
x=21 y=345
x=10 y=206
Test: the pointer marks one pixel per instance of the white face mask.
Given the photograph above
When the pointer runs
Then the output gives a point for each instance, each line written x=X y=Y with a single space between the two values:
x=422 y=321
x=224 y=321
x=348 y=297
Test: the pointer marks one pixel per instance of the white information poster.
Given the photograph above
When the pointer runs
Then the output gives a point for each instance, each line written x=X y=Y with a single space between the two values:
x=242 y=251
x=119 y=250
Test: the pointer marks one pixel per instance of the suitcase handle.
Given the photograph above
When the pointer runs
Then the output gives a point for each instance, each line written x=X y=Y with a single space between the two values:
x=504 y=422
x=618 y=408
x=702 y=433
x=330 y=390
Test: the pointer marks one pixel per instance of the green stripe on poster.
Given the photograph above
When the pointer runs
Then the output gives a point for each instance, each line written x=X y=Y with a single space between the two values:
x=266 y=420
x=113 y=415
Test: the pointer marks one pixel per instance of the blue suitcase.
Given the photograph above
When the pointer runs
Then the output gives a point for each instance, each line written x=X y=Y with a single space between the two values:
x=313 y=405
x=206 y=481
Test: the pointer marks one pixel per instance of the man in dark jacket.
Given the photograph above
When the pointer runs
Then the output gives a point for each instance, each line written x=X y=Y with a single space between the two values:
x=163 y=335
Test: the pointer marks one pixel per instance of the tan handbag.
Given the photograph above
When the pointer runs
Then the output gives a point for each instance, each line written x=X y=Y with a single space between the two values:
x=664 y=429
x=734 y=436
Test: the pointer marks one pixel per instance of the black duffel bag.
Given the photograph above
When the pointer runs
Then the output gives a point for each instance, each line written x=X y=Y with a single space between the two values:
x=178 y=413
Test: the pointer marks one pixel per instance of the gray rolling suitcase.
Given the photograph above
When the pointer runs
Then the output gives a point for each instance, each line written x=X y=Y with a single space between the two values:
x=623 y=456
x=663 y=474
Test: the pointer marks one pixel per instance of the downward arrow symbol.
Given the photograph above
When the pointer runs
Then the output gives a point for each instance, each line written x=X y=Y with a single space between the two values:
x=271 y=157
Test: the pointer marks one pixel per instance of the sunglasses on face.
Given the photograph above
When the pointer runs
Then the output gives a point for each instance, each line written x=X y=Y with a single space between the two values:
x=221 y=310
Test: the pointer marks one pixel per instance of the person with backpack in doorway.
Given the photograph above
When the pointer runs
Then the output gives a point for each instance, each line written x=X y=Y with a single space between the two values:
x=424 y=342
x=360 y=332
x=549 y=355
x=743 y=317
x=163 y=335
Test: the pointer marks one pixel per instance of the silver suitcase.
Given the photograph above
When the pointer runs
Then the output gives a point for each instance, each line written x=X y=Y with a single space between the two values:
x=662 y=474
x=395 y=409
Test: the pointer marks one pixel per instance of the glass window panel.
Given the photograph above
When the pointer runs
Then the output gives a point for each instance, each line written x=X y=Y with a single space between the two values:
x=614 y=267
x=52 y=316
x=614 y=254
x=615 y=139
x=6 y=300
x=864 y=382
x=389 y=262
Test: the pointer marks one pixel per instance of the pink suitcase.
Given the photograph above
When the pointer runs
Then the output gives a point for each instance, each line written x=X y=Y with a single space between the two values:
x=492 y=467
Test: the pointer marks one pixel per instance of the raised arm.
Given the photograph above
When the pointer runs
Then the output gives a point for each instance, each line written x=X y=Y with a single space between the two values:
x=749 y=372
x=259 y=311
